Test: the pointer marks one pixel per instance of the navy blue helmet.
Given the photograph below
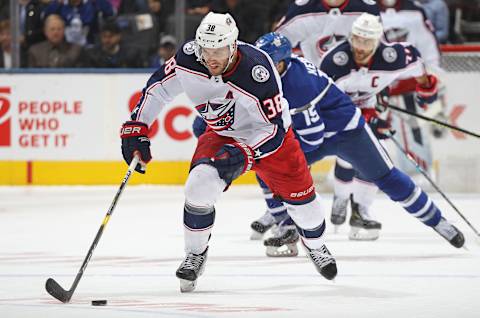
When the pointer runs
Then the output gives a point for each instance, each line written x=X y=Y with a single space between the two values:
x=275 y=45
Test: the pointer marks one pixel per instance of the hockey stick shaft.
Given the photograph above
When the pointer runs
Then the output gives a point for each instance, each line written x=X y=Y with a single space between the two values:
x=433 y=120
x=52 y=287
x=425 y=174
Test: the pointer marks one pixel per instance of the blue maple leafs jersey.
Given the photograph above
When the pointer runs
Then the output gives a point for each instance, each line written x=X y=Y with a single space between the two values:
x=302 y=83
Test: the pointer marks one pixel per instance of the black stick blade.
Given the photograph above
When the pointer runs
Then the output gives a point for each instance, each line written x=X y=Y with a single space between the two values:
x=54 y=289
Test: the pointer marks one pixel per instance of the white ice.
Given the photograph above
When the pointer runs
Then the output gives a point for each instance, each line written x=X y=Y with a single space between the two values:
x=46 y=232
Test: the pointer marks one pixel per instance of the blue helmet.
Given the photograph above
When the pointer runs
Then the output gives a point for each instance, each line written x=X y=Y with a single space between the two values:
x=275 y=45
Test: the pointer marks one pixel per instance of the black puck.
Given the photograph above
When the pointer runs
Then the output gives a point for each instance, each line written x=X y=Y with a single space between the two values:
x=102 y=302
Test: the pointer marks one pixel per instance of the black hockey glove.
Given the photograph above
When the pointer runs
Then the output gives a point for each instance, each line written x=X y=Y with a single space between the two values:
x=134 y=139
x=232 y=160
x=383 y=100
x=381 y=128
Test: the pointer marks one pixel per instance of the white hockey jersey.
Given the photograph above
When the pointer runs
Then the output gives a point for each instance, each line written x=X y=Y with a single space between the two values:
x=246 y=103
x=316 y=27
x=407 y=22
x=389 y=63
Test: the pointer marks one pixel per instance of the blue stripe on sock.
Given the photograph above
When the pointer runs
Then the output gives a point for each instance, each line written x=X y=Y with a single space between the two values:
x=198 y=221
x=314 y=233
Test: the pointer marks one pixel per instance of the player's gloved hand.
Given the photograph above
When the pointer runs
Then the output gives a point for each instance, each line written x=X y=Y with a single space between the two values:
x=383 y=100
x=427 y=94
x=232 y=160
x=381 y=128
x=134 y=139
x=199 y=126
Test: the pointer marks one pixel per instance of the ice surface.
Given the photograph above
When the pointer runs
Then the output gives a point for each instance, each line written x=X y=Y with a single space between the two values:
x=46 y=232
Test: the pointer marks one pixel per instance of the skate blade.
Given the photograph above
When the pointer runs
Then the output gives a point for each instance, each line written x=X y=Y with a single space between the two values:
x=289 y=250
x=360 y=234
x=256 y=236
x=187 y=286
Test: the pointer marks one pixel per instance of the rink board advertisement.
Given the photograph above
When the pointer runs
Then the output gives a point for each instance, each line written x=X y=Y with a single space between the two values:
x=64 y=129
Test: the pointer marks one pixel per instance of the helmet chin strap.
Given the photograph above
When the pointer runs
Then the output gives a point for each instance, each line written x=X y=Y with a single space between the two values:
x=230 y=58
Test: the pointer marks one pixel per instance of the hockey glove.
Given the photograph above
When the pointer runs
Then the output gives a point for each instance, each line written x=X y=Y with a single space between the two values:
x=232 y=160
x=427 y=94
x=134 y=139
x=199 y=126
x=383 y=100
x=381 y=128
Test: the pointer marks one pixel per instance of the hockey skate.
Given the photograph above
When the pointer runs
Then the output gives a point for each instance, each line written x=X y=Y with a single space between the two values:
x=190 y=269
x=283 y=243
x=339 y=211
x=363 y=228
x=323 y=261
x=261 y=226
x=450 y=233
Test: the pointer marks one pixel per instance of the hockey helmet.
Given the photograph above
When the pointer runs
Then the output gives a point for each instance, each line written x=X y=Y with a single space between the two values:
x=367 y=26
x=277 y=46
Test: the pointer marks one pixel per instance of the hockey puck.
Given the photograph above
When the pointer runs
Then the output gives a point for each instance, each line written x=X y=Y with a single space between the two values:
x=102 y=302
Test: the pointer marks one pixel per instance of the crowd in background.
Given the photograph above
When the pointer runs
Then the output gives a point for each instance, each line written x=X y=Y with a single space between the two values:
x=140 y=33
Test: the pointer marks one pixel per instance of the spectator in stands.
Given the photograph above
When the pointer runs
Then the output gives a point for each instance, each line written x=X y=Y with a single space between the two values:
x=438 y=14
x=31 y=22
x=81 y=17
x=111 y=52
x=251 y=16
x=132 y=7
x=55 y=51
x=4 y=9
x=198 y=7
x=5 y=45
x=166 y=49
x=161 y=10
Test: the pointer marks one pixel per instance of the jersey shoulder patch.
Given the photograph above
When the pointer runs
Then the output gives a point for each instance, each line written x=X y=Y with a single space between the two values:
x=189 y=48
x=254 y=73
x=186 y=58
x=394 y=56
x=260 y=73
x=389 y=54
x=370 y=2
x=337 y=62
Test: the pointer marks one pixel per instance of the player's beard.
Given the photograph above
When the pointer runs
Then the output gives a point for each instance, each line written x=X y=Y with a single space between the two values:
x=362 y=56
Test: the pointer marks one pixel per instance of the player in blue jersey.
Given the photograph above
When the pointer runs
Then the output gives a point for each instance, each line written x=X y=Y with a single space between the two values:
x=327 y=122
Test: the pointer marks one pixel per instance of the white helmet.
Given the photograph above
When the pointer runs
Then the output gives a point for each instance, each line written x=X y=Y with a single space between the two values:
x=367 y=26
x=215 y=31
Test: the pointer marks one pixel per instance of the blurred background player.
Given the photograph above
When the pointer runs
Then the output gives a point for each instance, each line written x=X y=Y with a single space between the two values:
x=226 y=79
x=327 y=122
x=363 y=67
x=406 y=21
x=317 y=26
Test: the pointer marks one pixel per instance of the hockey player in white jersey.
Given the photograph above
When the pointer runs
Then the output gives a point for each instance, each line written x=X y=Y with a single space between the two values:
x=406 y=21
x=327 y=122
x=318 y=25
x=238 y=93
x=363 y=67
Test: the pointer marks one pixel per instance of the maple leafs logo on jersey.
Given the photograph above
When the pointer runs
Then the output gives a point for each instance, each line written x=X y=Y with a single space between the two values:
x=218 y=114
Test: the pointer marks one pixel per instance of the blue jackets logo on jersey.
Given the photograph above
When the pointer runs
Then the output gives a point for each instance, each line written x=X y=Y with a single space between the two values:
x=326 y=43
x=219 y=115
x=260 y=73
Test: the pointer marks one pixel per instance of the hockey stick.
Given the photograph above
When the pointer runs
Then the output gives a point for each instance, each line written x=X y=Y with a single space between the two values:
x=314 y=101
x=52 y=287
x=435 y=121
x=425 y=174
